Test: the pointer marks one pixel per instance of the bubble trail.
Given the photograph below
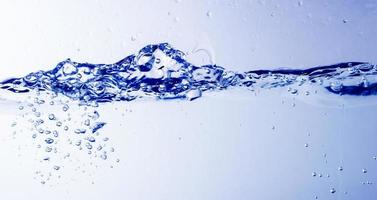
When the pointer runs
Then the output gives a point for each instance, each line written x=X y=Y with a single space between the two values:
x=160 y=71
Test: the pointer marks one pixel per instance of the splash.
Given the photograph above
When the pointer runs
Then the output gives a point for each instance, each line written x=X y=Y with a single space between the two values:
x=160 y=71
x=156 y=71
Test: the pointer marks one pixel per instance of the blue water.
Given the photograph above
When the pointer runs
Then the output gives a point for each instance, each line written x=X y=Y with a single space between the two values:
x=65 y=101
x=162 y=72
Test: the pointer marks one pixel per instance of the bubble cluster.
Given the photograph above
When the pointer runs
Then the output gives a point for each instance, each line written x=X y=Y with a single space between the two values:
x=60 y=133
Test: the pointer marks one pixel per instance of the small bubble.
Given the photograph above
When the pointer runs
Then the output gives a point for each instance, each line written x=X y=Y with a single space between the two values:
x=105 y=139
x=48 y=149
x=209 y=14
x=314 y=174
x=345 y=21
x=66 y=128
x=59 y=123
x=364 y=171
x=52 y=102
x=91 y=139
x=49 y=140
x=51 y=117
x=80 y=131
x=21 y=108
x=103 y=156
x=306 y=145
x=300 y=3
x=332 y=190
x=78 y=143
x=65 y=107
x=88 y=146
x=133 y=38
x=87 y=122
x=340 y=168
x=56 y=167
x=293 y=91
x=55 y=133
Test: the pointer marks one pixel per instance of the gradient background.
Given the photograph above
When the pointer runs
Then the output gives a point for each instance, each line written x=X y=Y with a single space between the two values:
x=222 y=146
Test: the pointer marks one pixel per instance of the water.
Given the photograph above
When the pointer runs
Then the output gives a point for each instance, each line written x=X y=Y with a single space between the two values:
x=333 y=154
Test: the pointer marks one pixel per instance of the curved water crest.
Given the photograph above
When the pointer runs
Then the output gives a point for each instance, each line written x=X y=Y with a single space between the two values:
x=162 y=72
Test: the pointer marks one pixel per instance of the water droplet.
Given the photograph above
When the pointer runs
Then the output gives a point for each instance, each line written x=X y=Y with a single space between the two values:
x=56 y=167
x=21 y=108
x=133 y=38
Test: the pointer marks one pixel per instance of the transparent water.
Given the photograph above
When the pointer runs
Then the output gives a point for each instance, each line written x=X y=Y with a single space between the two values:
x=262 y=134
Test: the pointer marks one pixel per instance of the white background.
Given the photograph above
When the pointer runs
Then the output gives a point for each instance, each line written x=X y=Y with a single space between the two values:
x=222 y=147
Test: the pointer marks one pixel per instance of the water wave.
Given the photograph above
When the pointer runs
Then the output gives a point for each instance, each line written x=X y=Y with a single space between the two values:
x=162 y=72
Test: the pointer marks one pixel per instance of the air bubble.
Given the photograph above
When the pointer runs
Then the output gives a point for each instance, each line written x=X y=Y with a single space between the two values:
x=51 y=117
x=209 y=14
x=49 y=140
x=65 y=107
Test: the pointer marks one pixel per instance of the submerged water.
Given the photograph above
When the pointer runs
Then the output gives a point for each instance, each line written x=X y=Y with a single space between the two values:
x=62 y=105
